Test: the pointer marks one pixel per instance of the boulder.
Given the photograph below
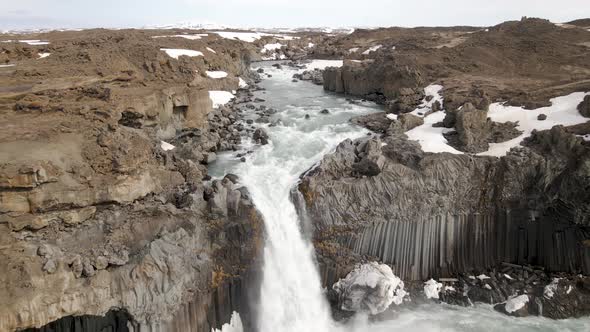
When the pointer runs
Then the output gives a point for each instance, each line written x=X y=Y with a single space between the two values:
x=260 y=136
x=584 y=107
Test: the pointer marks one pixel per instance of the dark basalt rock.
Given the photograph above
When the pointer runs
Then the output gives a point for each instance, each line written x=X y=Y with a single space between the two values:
x=584 y=107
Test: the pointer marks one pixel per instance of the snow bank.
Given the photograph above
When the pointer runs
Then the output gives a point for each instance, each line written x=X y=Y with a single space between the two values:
x=44 y=55
x=234 y=325
x=433 y=91
x=8 y=65
x=516 y=303
x=175 y=52
x=216 y=74
x=563 y=111
x=432 y=288
x=220 y=97
x=370 y=287
x=323 y=64
x=372 y=49
x=166 y=146
x=211 y=50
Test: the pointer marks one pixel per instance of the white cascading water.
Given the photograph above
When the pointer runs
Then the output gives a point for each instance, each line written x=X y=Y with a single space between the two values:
x=291 y=296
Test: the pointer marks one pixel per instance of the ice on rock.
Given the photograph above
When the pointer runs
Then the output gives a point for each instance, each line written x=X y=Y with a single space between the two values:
x=370 y=287
x=550 y=289
x=432 y=288
x=516 y=303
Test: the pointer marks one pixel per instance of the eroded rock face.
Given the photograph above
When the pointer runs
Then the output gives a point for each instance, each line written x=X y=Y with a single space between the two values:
x=440 y=200
x=96 y=214
x=584 y=107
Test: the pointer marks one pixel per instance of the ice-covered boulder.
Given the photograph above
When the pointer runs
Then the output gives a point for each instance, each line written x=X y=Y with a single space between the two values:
x=371 y=288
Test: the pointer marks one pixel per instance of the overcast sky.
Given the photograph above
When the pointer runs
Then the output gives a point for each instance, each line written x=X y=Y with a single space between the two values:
x=19 y=14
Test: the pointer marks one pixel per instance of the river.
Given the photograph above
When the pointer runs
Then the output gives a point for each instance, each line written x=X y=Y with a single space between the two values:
x=291 y=297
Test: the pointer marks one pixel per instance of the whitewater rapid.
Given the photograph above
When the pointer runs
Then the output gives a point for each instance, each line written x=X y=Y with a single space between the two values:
x=291 y=296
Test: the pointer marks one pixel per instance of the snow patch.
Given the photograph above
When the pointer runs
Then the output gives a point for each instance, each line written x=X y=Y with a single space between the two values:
x=220 y=98
x=211 y=50
x=482 y=277
x=516 y=303
x=216 y=74
x=563 y=111
x=372 y=49
x=585 y=137
x=242 y=83
x=8 y=65
x=175 y=52
x=322 y=64
x=44 y=55
x=190 y=37
x=508 y=277
x=234 y=325
x=271 y=47
x=370 y=287
x=353 y=50
x=34 y=42
x=487 y=287
x=450 y=289
x=432 y=288
x=569 y=289
x=249 y=37
x=310 y=45
x=166 y=146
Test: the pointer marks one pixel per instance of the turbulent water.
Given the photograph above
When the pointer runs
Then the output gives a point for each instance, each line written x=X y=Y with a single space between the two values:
x=291 y=297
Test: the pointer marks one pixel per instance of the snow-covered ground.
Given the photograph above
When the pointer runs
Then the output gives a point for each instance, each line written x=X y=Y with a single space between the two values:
x=563 y=111
x=175 y=52
x=242 y=83
x=216 y=74
x=271 y=47
x=34 y=42
x=220 y=98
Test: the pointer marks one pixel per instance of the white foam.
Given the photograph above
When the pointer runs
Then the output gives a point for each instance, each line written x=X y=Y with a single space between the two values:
x=516 y=303
x=216 y=74
x=220 y=98
x=175 y=52
x=234 y=325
